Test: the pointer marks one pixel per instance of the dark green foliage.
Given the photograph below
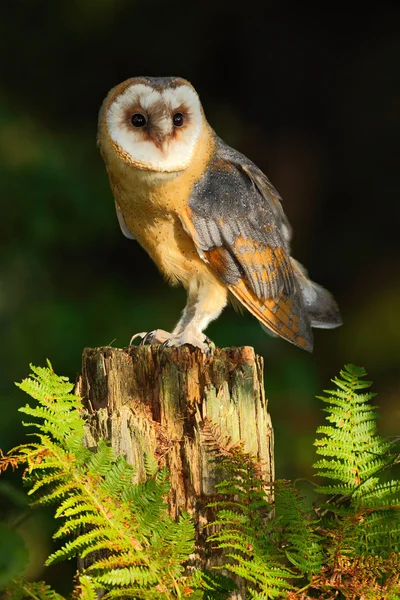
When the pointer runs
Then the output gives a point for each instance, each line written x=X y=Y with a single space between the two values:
x=345 y=545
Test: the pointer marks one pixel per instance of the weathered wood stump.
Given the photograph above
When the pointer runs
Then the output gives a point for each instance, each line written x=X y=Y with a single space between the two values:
x=147 y=399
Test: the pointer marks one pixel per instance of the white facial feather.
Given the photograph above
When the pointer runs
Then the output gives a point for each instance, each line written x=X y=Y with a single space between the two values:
x=174 y=155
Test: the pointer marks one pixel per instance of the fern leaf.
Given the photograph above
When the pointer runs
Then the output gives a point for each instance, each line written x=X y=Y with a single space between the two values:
x=129 y=576
x=74 y=505
x=150 y=464
x=302 y=543
x=84 y=521
x=211 y=585
x=141 y=548
x=357 y=458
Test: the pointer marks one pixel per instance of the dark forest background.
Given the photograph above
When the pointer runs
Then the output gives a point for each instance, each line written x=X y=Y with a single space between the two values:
x=312 y=97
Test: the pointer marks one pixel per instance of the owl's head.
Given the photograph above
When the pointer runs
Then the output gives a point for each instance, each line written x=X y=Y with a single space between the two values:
x=152 y=123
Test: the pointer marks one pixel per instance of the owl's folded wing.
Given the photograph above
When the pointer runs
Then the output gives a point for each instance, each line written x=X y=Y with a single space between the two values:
x=240 y=233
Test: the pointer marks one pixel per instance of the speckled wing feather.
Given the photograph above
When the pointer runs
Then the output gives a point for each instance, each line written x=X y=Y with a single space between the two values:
x=237 y=223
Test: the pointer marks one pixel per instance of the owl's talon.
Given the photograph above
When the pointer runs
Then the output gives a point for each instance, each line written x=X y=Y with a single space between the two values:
x=156 y=336
x=136 y=335
x=192 y=338
x=146 y=338
x=167 y=340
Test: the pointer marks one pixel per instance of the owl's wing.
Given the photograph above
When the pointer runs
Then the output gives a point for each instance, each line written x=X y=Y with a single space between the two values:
x=238 y=226
x=122 y=223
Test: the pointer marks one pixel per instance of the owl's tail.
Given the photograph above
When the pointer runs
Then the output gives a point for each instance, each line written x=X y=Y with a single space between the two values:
x=319 y=304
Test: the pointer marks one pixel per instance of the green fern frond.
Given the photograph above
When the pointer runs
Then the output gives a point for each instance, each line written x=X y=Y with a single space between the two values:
x=268 y=579
x=358 y=458
x=134 y=545
x=352 y=449
x=57 y=493
x=80 y=543
x=102 y=460
x=210 y=585
x=127 y=577
x=244 y=530
x=298 y=535
x=74 y=505
x=349 y=544
x=150 y=465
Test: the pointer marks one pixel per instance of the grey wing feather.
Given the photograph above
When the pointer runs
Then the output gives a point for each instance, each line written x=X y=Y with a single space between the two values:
x=263 y=184
x=124 y=228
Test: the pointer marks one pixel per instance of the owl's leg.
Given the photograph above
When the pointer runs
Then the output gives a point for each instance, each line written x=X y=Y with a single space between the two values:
x=206 y=299
x=188 y=312
x=160 y=336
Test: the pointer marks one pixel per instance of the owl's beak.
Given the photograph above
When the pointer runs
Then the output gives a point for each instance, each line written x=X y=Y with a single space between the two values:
x=164 y=146
x=161 y=133
x=161 y=141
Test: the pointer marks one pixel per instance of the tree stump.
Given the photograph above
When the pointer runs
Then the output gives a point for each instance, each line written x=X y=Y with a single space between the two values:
x=147 y=399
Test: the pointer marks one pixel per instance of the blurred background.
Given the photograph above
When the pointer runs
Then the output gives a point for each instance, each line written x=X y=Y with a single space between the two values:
x=313 y=98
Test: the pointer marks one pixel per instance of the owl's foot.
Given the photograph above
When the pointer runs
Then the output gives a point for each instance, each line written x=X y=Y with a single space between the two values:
x=157 y=336
x=168 y=340
x=195 y=339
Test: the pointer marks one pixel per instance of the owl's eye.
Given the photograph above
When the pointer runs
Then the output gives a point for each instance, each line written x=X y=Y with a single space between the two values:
x=138 y=120
x=178 y=119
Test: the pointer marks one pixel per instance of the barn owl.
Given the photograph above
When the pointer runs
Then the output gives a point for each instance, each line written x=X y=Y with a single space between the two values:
x=206 y=215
